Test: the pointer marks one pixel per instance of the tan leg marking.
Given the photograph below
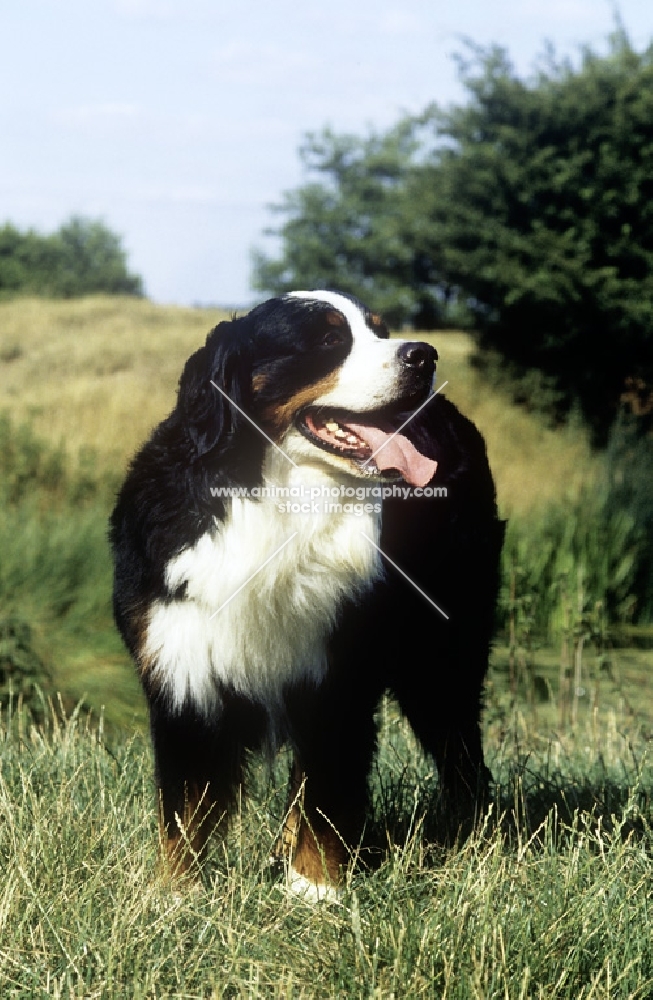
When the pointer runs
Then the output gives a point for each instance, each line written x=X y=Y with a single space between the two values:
x=309 y=843
x=184 y=845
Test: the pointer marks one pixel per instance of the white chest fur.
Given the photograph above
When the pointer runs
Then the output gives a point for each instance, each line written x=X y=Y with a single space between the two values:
x=255 y=626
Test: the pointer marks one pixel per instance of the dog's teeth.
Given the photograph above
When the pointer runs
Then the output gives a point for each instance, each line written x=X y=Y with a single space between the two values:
x=342 y=433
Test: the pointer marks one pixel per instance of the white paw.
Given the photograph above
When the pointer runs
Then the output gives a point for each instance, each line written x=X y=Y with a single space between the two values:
x=312 y=892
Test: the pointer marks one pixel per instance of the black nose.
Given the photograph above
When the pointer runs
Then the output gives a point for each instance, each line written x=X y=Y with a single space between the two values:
x=418 y=355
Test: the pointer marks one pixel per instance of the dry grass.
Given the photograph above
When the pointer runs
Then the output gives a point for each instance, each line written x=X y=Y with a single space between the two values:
x=100 y=372
x=553 y=903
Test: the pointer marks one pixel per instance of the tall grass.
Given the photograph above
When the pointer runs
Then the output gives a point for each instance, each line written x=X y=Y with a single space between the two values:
x=630 y=460
x=53 y=527
x=55 y=575
x=551 y=902
x=568 y=564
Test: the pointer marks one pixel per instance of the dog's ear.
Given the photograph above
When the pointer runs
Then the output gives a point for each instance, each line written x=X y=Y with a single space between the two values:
x=210 y=416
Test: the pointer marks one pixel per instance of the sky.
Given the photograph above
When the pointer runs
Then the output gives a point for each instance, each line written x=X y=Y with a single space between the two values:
x=177 y=122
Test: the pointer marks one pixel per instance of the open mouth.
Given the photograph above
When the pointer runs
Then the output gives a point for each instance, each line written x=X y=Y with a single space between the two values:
x=374 y=447
x=337 y=434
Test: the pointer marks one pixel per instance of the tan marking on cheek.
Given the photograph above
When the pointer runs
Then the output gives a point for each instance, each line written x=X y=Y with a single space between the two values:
x=259 y=382
x=279 y=418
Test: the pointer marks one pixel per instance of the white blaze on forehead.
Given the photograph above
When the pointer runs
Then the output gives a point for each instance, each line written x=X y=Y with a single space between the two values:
x=352 y=312
x=368 y=378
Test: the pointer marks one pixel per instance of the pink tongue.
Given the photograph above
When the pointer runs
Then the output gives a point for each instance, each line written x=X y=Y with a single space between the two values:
x=398 y=453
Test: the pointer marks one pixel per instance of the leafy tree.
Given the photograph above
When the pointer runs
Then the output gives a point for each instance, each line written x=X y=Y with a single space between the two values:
x=527 y=212
x=92 y=260
x=82 y=257
x=350 y=231
x=544 y=218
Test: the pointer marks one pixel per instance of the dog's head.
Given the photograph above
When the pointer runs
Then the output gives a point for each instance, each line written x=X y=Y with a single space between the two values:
x=317 y=372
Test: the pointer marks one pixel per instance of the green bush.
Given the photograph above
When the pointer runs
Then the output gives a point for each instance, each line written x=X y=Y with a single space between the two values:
x=81 y=258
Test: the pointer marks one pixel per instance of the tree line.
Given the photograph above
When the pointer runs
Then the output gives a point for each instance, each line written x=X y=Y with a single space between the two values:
x=81 y=258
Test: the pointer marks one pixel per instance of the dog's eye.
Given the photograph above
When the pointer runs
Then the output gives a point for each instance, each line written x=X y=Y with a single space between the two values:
x=333 y=338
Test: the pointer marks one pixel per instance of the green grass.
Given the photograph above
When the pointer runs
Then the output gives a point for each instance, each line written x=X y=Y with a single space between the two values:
x=551 y=900
x=55 y=573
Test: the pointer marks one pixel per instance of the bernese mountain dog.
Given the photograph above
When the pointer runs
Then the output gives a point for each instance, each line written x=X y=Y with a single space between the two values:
x=310 y=527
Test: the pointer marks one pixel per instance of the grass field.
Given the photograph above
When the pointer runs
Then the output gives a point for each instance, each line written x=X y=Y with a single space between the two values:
x=551 y=899
x=101 y=372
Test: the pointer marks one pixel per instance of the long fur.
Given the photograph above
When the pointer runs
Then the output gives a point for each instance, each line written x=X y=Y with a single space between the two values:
x=251 y=625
